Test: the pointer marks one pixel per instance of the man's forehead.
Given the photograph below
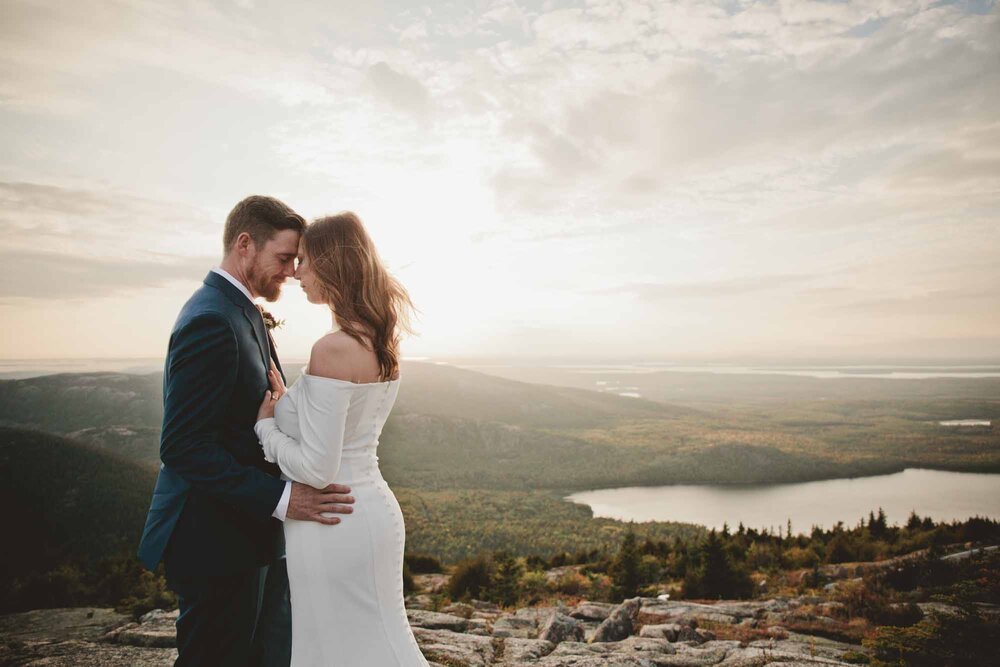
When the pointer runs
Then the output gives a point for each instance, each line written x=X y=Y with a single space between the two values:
x=285 y=241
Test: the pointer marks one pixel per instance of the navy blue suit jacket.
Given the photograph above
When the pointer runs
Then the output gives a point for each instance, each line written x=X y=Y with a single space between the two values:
x=215 y=494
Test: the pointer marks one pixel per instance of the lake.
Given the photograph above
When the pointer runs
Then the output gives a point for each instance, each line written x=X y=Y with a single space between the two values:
x=941 y=495
x=966 y=422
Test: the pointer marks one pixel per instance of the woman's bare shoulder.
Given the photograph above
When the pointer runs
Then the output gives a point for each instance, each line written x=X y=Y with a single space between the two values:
x=339 y=356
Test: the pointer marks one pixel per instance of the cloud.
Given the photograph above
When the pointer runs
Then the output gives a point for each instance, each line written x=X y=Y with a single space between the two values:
x=936 y=303
x=701 y=101
x=655 y=146
x=79 y=219
x=44 y=275
x=709 y=289
x=402 y=92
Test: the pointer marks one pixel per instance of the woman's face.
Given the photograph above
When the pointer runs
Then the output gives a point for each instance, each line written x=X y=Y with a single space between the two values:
x=307 y=279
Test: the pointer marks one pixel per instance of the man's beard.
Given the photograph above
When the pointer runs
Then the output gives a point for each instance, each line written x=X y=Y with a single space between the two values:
x=265 y=286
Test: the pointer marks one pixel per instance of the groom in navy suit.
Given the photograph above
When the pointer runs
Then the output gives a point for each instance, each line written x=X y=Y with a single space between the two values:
x=215 y=518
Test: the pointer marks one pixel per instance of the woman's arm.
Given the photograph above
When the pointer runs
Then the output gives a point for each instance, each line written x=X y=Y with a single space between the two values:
x=315 y=459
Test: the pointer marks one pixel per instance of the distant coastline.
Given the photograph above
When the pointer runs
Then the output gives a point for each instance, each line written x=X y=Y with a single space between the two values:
x=17 y=369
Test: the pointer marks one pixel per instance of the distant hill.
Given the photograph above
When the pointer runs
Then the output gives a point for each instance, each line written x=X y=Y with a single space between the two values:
x=442 y=413
x=72 y=401
x=454 y=428
x=66 y=501
x=447 y=391
x=703 y=388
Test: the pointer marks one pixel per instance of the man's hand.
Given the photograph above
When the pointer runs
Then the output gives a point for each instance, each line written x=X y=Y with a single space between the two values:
x=308 y=504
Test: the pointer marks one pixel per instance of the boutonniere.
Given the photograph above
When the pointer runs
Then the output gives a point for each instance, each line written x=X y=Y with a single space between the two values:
x=270 y=321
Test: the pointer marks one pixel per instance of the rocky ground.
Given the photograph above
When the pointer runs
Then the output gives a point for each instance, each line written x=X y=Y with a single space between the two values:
x=641 y=632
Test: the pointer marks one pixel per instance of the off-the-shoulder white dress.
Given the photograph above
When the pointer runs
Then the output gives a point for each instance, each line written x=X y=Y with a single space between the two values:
x=346 y=581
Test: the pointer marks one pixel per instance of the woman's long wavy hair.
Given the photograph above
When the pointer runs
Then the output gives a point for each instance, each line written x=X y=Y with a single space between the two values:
x=358 y=287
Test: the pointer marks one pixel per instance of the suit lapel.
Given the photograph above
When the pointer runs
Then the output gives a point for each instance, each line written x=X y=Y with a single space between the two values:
x=250 y=312
x=274 y=354
x=260 y=333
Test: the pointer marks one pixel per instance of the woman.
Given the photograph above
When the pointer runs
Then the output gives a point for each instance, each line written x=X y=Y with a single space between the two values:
x=346 y=581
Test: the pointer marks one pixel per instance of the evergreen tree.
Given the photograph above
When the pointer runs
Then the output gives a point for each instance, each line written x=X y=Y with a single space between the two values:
x=506 y=579
x=878 y=525
x=717 y=576
x=624 y=568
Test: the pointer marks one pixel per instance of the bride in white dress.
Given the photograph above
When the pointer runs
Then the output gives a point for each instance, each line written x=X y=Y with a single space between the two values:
x=345 y=581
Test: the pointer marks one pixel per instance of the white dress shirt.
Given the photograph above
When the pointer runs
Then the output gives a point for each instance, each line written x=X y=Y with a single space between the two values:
x=282 y=509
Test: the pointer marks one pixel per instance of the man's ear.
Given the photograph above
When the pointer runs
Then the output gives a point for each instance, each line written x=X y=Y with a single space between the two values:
x=244 y=244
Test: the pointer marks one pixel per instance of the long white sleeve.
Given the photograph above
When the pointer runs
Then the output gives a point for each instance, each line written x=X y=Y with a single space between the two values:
x=322 y=412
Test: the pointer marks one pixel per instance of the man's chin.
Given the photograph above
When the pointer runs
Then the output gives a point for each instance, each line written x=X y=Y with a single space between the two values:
x=271 y=293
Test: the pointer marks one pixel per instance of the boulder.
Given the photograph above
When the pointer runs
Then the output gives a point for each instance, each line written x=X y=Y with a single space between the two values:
x=592 y=611
x=642 y=645
x=515 y=626
x=480 y=605
x=668 y=631
x=75 y=653
x=940 y=609
x=72 y=637
x=431 y=583
x=516 y=649
x=620 y=623
x=560 y=627
x=84 y=623
x=155 y=629
x=455 y=649
x=702 y=616
x=148 y=636
x=799 y=647
x=419 y=601
x=688 y=633
x=433 y=620
x=538 y=614
x=459 y=609
x=160 y=616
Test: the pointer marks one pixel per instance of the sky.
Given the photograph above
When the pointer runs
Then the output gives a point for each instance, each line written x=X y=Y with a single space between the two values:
x=602 y=179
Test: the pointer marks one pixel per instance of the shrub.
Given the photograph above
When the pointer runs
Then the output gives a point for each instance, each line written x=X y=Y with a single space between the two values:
x=799 y=557
x=572 y=583
x=409 y=586
x=421 y=564
x=863 y=599
x=961 y=641
x=840 y=549
x=534 y=587
x=471 y=578
x=600 y=587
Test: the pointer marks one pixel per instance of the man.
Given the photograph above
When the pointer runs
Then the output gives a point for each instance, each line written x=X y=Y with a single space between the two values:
x=215 y=518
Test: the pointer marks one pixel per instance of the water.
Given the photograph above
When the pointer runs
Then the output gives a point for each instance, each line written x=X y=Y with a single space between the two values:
x=941 y=495
x=966 y=422
x=922 y=372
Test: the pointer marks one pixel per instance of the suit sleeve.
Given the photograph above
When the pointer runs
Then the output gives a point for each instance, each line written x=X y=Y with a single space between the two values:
x=204 y=358
x=314 y=458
